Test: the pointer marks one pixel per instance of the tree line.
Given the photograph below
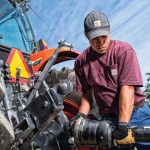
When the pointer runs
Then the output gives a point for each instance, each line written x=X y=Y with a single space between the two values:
x=147 y=89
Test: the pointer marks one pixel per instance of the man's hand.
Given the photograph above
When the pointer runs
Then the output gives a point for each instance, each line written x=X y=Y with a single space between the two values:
x=123 y=134
x=74 y=119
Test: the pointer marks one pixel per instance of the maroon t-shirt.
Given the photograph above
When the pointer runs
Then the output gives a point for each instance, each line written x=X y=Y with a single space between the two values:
x=106 y=73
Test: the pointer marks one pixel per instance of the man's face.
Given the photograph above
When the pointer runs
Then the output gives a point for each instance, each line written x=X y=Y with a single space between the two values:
x=100 y=44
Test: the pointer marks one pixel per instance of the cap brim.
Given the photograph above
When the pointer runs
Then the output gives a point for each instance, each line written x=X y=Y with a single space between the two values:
x=98 y=32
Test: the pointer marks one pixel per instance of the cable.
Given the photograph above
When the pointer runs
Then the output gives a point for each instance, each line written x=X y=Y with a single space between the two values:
x=47 y=26
x=35 y=13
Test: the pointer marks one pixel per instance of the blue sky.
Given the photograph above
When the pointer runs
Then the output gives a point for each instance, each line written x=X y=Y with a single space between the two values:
x=63 y=19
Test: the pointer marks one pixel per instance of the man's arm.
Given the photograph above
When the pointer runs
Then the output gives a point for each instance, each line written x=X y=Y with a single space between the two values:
x=85 y=104
x=123 y=134
x=126 y=103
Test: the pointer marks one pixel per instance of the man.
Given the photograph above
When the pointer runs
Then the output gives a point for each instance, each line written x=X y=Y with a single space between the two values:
x=110 y=68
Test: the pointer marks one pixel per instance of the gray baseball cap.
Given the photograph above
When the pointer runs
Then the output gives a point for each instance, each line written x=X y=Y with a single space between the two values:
x=96 y=24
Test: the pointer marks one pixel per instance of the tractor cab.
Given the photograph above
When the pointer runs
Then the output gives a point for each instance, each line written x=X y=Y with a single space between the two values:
x=15 y=28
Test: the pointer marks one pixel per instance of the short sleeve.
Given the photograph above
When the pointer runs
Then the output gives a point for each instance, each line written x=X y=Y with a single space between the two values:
x=129 y=70
x=81 y=82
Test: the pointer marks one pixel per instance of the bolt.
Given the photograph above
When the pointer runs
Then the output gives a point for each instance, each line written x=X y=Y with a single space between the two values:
x=45 y=104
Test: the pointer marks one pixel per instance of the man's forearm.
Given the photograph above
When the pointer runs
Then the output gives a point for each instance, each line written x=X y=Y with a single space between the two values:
x=126 y=103
x=85 y=105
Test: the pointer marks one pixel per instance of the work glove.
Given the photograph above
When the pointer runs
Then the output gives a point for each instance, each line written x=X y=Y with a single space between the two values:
x=123 y=134
x=78 y=116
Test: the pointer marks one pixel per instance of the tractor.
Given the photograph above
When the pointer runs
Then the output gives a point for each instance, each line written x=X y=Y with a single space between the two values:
x=22 y=61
